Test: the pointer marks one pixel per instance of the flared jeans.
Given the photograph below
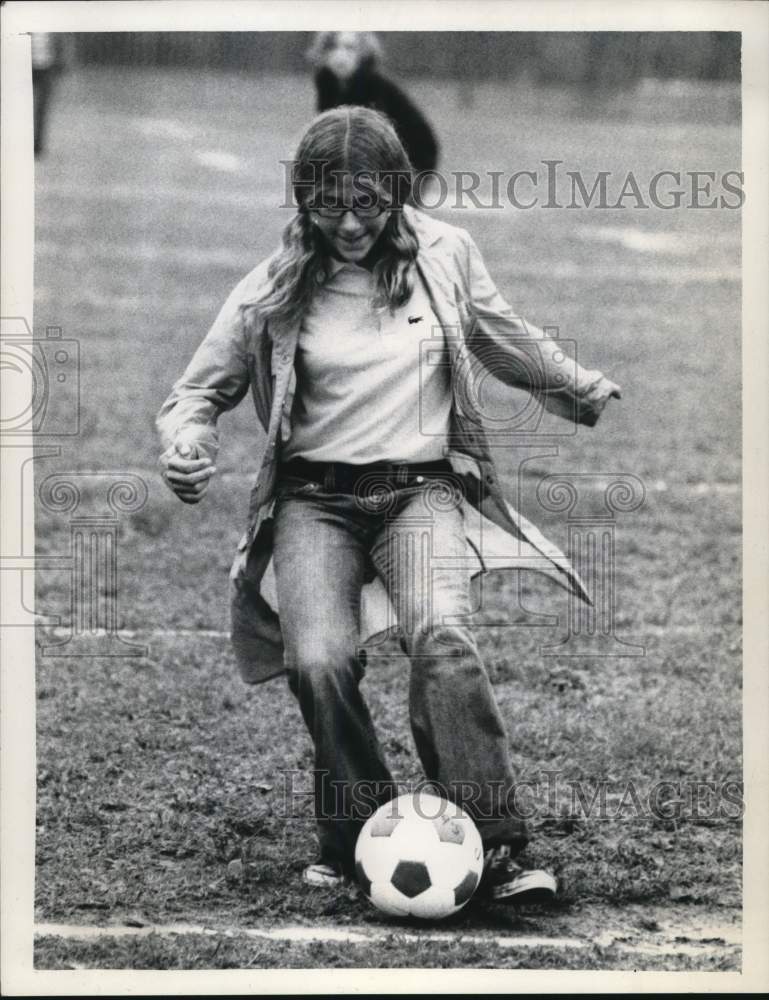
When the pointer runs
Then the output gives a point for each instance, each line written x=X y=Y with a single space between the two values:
x=326 y=546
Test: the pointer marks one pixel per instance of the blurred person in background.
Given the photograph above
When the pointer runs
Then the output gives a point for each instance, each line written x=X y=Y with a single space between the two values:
x=47 y=63
x=347 y=71
x=364 y=445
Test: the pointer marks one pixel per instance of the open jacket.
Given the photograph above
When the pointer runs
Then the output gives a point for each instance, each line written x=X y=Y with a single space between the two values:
x=480 y=332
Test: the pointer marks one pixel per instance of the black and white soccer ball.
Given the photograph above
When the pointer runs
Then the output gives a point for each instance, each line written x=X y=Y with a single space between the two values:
x=419 y=856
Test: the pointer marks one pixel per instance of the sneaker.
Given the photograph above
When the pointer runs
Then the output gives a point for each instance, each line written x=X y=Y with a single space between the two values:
x=322 y=874
x=504 y=881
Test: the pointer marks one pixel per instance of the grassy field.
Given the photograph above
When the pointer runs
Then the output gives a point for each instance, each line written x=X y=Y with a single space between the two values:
x=161 y=777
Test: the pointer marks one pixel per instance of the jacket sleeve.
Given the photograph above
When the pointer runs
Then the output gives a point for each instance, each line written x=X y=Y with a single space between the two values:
x=521 y=355
x=215 y=380
x=411 y=125
x=326 y=90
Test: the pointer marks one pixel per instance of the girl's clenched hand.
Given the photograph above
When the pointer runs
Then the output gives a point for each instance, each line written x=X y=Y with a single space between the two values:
x=185 y=473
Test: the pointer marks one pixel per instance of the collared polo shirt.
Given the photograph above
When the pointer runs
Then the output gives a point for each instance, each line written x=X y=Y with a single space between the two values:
x=371 y=385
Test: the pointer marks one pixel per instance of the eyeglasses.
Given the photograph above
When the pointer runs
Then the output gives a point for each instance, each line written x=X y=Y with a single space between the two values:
x=359 y=211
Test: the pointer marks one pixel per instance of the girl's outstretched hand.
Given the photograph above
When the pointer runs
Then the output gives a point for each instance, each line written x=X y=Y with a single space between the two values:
x=610 y=389
x=186 y=471
x=593 y=403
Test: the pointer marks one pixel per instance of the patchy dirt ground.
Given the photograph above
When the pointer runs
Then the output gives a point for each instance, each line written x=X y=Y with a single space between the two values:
x=150 y=812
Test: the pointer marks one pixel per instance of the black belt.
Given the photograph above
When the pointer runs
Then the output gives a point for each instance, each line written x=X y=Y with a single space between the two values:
x=339 y=477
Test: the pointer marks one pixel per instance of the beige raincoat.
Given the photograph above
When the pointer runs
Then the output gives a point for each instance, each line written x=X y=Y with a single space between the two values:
x=243 y=350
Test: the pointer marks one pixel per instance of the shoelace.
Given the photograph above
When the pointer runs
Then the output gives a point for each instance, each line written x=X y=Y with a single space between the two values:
x=334 y=870
x=498 y=857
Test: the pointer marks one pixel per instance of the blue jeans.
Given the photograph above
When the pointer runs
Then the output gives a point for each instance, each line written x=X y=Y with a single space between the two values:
x=325 y=546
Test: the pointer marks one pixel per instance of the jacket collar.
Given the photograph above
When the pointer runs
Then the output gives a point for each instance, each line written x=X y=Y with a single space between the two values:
x=427 y=230
x=335 y=266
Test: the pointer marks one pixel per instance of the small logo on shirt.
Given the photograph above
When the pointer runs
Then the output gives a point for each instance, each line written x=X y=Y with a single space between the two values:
x=415 y=319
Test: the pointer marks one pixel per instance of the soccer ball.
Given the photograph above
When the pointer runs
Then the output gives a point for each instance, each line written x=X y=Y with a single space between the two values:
x=419 y=856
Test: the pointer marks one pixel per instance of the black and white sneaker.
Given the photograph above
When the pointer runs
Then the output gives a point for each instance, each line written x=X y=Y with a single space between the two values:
x=327 y=876
x=504 y=881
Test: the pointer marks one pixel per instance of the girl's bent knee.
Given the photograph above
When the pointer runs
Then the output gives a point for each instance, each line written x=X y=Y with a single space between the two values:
x=325 y=667
x=440 y=640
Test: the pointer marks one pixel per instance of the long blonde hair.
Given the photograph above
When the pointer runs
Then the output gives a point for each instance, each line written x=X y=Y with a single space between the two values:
x=362 y=143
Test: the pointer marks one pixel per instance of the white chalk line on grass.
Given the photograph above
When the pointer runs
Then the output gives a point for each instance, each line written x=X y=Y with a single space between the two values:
x=703 y=488
x=712 y=941
x=264 y=193
x=63 y=632
x=142 y=253
x=696 y=489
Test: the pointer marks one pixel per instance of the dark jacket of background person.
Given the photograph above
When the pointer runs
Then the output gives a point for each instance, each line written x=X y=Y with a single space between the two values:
x=369 y=88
